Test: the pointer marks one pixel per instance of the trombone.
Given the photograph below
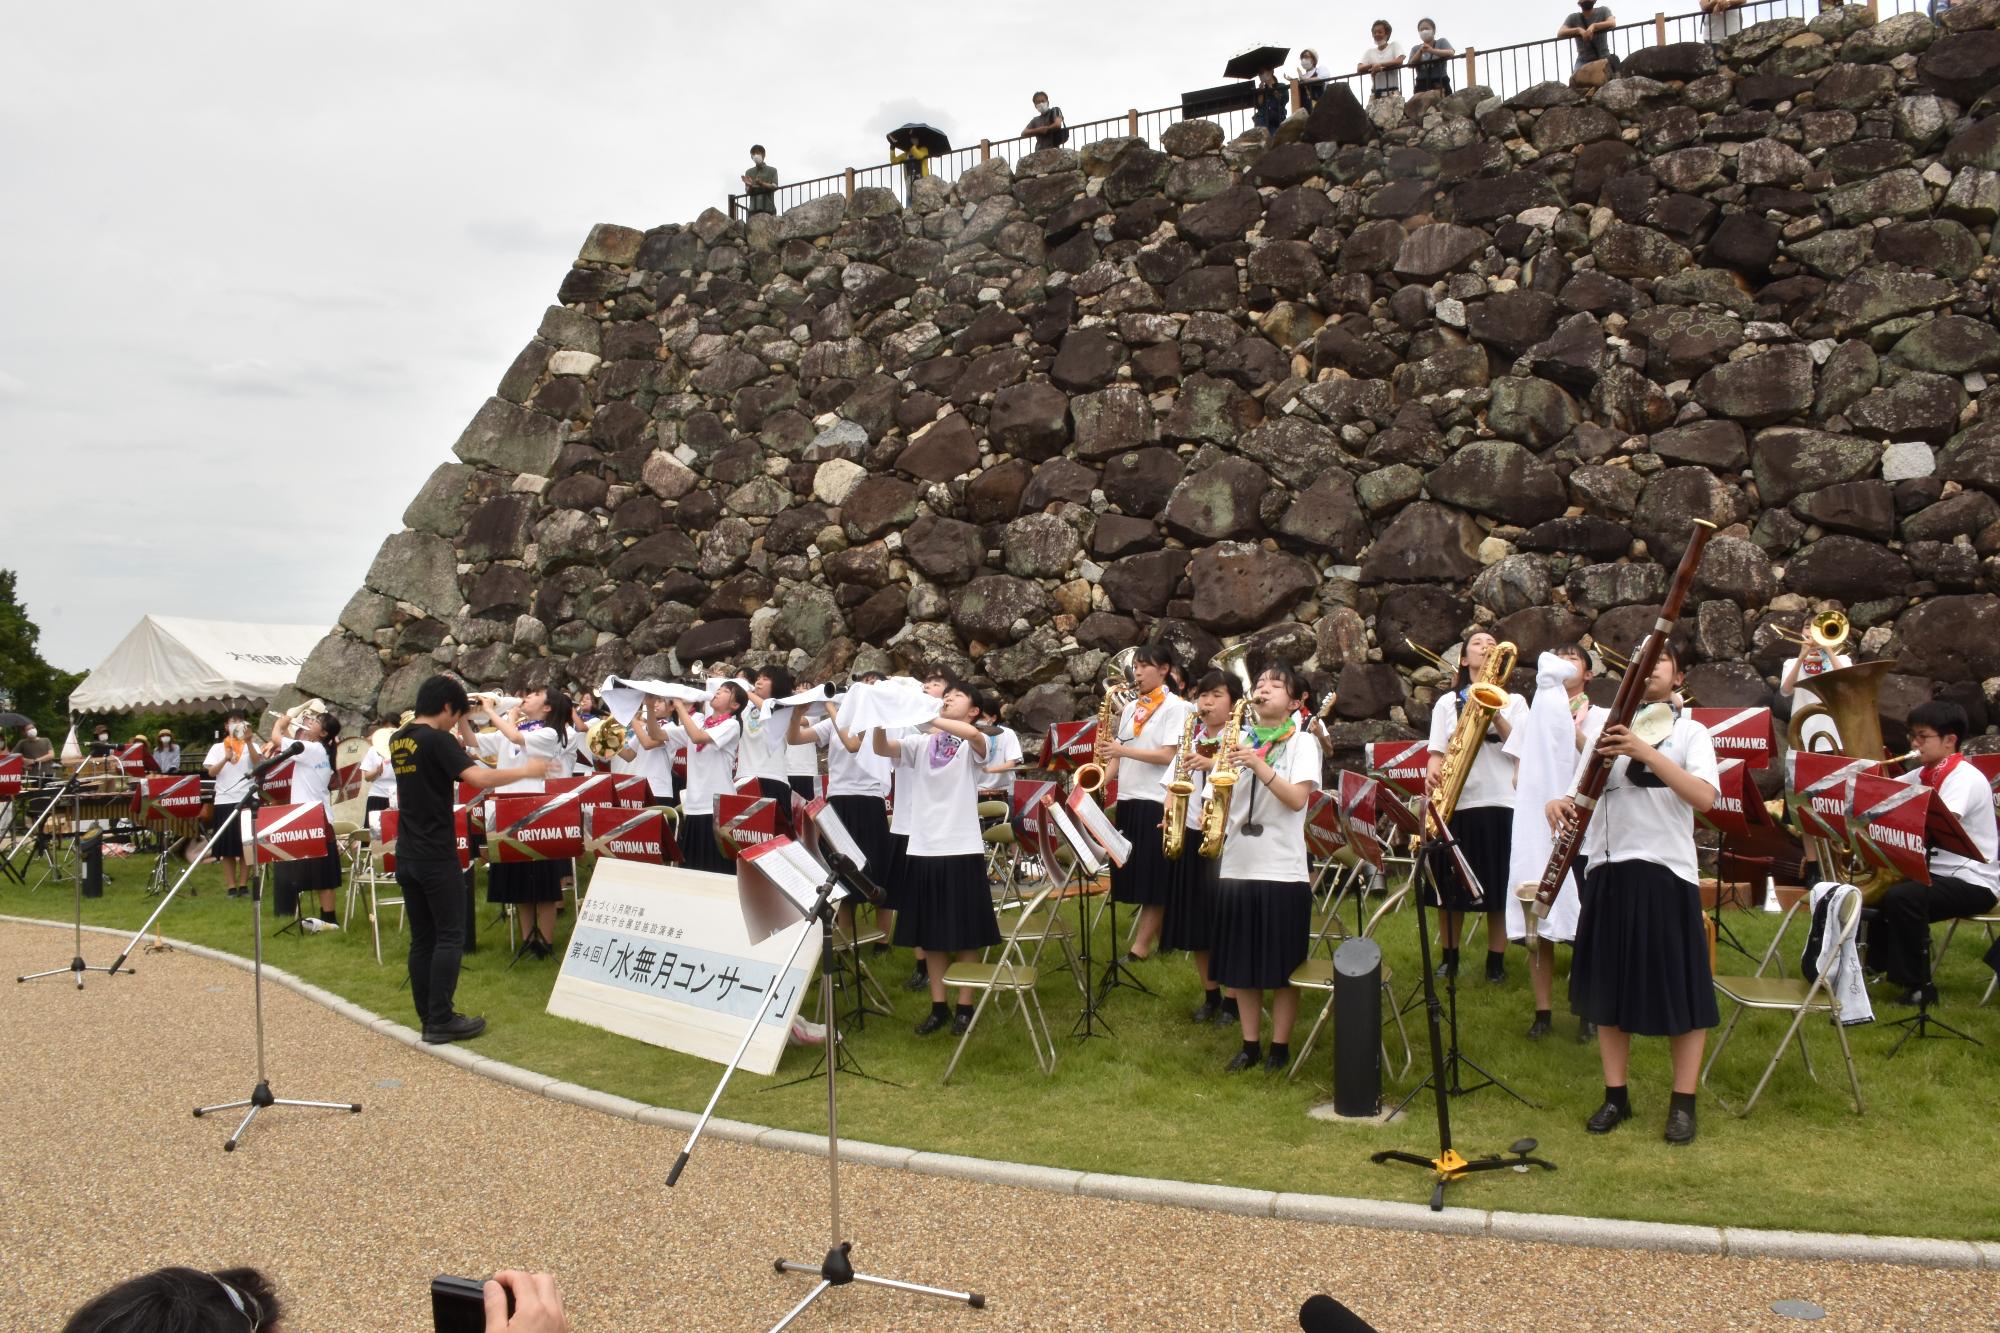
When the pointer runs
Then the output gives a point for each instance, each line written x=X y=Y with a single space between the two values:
x=1826 y=632
x=1620 y=663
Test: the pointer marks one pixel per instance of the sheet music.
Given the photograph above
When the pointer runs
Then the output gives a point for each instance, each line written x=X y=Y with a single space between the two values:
x=1091 y=815
x=792 y=870
x=1086 y=852
x=829 y=826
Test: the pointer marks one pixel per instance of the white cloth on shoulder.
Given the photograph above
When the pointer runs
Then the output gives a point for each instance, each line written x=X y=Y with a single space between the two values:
x=1838 y=962
x=1544 y=748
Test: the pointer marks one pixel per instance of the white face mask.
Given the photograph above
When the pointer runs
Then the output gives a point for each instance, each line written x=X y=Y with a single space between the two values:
x=1425 y=34
x=758 y=158
x=1307 y=63
x=1041 y=106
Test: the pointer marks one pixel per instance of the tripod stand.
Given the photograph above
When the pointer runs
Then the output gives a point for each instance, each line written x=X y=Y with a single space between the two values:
x=1918 y=1025
x=835 y=1270
x=1115 y=971
x=1448 y=1165
x=260 y=1096
x=37 y=840
x=76 y=966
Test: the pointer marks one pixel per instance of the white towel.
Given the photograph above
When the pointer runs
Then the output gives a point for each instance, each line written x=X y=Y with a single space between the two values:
x=1545 y=745
x=1839 y=964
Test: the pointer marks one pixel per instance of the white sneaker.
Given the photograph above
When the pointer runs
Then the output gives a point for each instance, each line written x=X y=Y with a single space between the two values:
x=805 y=1032
x=312 y=925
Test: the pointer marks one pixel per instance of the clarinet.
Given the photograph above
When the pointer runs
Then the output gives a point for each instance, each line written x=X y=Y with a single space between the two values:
x=1631 y=691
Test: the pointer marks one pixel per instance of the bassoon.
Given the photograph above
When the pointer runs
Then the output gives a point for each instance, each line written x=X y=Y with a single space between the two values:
x=1631 y=693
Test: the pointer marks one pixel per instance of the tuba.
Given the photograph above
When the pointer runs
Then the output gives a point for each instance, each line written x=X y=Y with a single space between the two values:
x=1484 y=697
x=1117 y=681
x=1234 y=661
x=1173 y=829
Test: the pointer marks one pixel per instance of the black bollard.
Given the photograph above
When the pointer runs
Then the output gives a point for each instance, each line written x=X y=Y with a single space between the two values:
x=1357 y=1028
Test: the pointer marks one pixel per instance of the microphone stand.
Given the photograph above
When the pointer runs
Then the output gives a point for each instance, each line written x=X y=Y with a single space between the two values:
x=260 y=1096
x=835 y=1270
x=1448 y=1165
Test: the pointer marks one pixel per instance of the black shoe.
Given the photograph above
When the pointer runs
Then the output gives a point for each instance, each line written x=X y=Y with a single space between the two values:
x=1446 y=970
x=456 y=1028
x=1917 y=996
x=1131 y=957
x=1240 y=1061
x=961 y=1024
x=1496 y=968
x=1230 y=1016
x=879 y=946
x=1538 y=1029
x=1207 y=1012
x=1275 y=1063
x=1586 y=1031
x=932 y=1022
x=917 y=980
x=1680 y=1126
x=1607 y=1118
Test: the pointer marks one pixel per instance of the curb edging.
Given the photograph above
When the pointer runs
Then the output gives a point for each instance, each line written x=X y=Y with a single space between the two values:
x=1338 y=1210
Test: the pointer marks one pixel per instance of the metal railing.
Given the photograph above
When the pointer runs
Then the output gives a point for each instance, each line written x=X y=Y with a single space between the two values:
x=1506 y=70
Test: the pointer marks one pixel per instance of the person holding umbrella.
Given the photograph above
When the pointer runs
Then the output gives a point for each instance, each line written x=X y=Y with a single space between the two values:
x=1266 y=97
x=914 y=145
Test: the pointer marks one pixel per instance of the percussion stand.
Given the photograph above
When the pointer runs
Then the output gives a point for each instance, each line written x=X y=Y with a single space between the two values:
x=836 y=1269
x=260 y=1096
x=34 y=831
x=1448 y=1166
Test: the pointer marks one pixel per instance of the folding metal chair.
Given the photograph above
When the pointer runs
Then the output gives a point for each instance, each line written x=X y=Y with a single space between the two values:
x=1986 y=919
x=1316 y=974
x=1796 y=997
x=1015 y=974
x=365 y=874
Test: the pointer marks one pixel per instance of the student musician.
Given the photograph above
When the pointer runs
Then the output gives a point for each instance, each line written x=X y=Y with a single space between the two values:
x=1483 y=820
x=801 y=762
x=710 y=741
x=380 y=775
x=1263 y=917
x=1142 y=756
x=1191 y=880
x=901 y=820
x=946 y=908
x=229 y=762
x=1004 y=757
x=1900 y=940
x=1640 y=965
x=761 y=752
x=540 y=727
x=1544 y=748
x=856 y=791
x=650 y=748
x=312 y=782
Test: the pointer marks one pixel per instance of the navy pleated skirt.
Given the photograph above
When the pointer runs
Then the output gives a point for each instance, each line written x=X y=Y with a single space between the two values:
x=1262 y=930
x=1142 y=880
x=946 y=904
x=1641 y=952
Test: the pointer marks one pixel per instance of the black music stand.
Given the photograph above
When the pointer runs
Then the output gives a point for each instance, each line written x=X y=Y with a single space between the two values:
x=1448 y=1165
x=34 y=838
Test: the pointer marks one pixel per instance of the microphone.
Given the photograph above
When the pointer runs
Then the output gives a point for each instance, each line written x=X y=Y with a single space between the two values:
x=1323 y=1314
x=290 y=751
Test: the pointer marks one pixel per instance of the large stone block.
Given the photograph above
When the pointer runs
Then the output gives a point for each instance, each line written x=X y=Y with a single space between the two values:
x=421 y=569
x=510 y=438
x=1239 y=586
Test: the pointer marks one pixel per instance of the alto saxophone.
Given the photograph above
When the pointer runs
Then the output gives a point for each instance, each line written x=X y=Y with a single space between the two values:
x=1090 y=777
x=1221 y=780
x=1173 y=830
x=1486 y=696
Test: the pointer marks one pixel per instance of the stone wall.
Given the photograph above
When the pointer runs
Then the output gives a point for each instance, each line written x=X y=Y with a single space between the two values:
x=1341 y=390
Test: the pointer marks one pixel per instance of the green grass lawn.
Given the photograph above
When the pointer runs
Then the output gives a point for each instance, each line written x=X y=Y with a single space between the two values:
x=1152 y=1100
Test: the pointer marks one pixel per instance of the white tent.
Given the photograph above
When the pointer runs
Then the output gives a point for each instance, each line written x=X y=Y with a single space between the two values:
x=170 y=664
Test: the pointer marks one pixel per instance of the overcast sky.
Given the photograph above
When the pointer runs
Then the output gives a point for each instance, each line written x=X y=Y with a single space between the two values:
x=259 y=263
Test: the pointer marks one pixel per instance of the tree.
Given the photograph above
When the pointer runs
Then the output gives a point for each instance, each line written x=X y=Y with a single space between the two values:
x=38 y=690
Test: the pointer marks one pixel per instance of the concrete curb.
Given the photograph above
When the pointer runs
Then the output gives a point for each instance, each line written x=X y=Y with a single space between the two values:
x=1388 y=1215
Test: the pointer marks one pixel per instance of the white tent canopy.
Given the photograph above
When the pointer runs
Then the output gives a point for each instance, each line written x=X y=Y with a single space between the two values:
x=171 y=664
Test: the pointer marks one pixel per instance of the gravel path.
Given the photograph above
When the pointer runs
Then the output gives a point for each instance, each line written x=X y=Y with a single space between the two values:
x=103 y=1173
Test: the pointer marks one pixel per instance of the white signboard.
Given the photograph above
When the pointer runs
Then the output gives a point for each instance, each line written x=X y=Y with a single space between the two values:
x=660 y=954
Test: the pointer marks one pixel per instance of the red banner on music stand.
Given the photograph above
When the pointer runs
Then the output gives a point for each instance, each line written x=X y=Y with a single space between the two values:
x=385 y=842
x=624 y=834
x=1738 y=808
x=534 y=826
x=745 y=821
x=1738 y=733
x=1358 y=797
x=278 y=784
x=1402 y=765
x=1988 y=766
x=1816 y=792
x=1888 y=819
x=135 y=759
x=289 y=833
x=13 y=774
x=588 y=791
x=472 y=800
x=1068 y=744
x=635 y=793
x=1324 y=834
x=1025 y=813
x=159 y=800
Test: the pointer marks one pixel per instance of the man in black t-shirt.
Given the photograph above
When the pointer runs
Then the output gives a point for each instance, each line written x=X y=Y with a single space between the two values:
x=1047 y=127
x=429 y=761
x=1591 y=26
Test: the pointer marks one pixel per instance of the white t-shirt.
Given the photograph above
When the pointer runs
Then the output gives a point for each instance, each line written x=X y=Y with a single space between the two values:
x=1649 y=823
x=168 y=757
x=899 y=780
x=760 y=753
x=381 y=777
x=942 y=799
x=711 y=768
x=656 y=765
x=1279 y=852
x=801 y=761
x=1385 y=80
x=1810 y=664
x=232 y=780
x=1490 y=784
x=845 y=775
x=1724 y=23
x=312 y=776
x=1970 y=797
x=1148 y=782
x=536 y=743
x=1003 y=747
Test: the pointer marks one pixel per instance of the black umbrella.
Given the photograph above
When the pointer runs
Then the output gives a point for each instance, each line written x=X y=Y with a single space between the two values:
x=1249 y=64
x=14 y=720
x=934 y=140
